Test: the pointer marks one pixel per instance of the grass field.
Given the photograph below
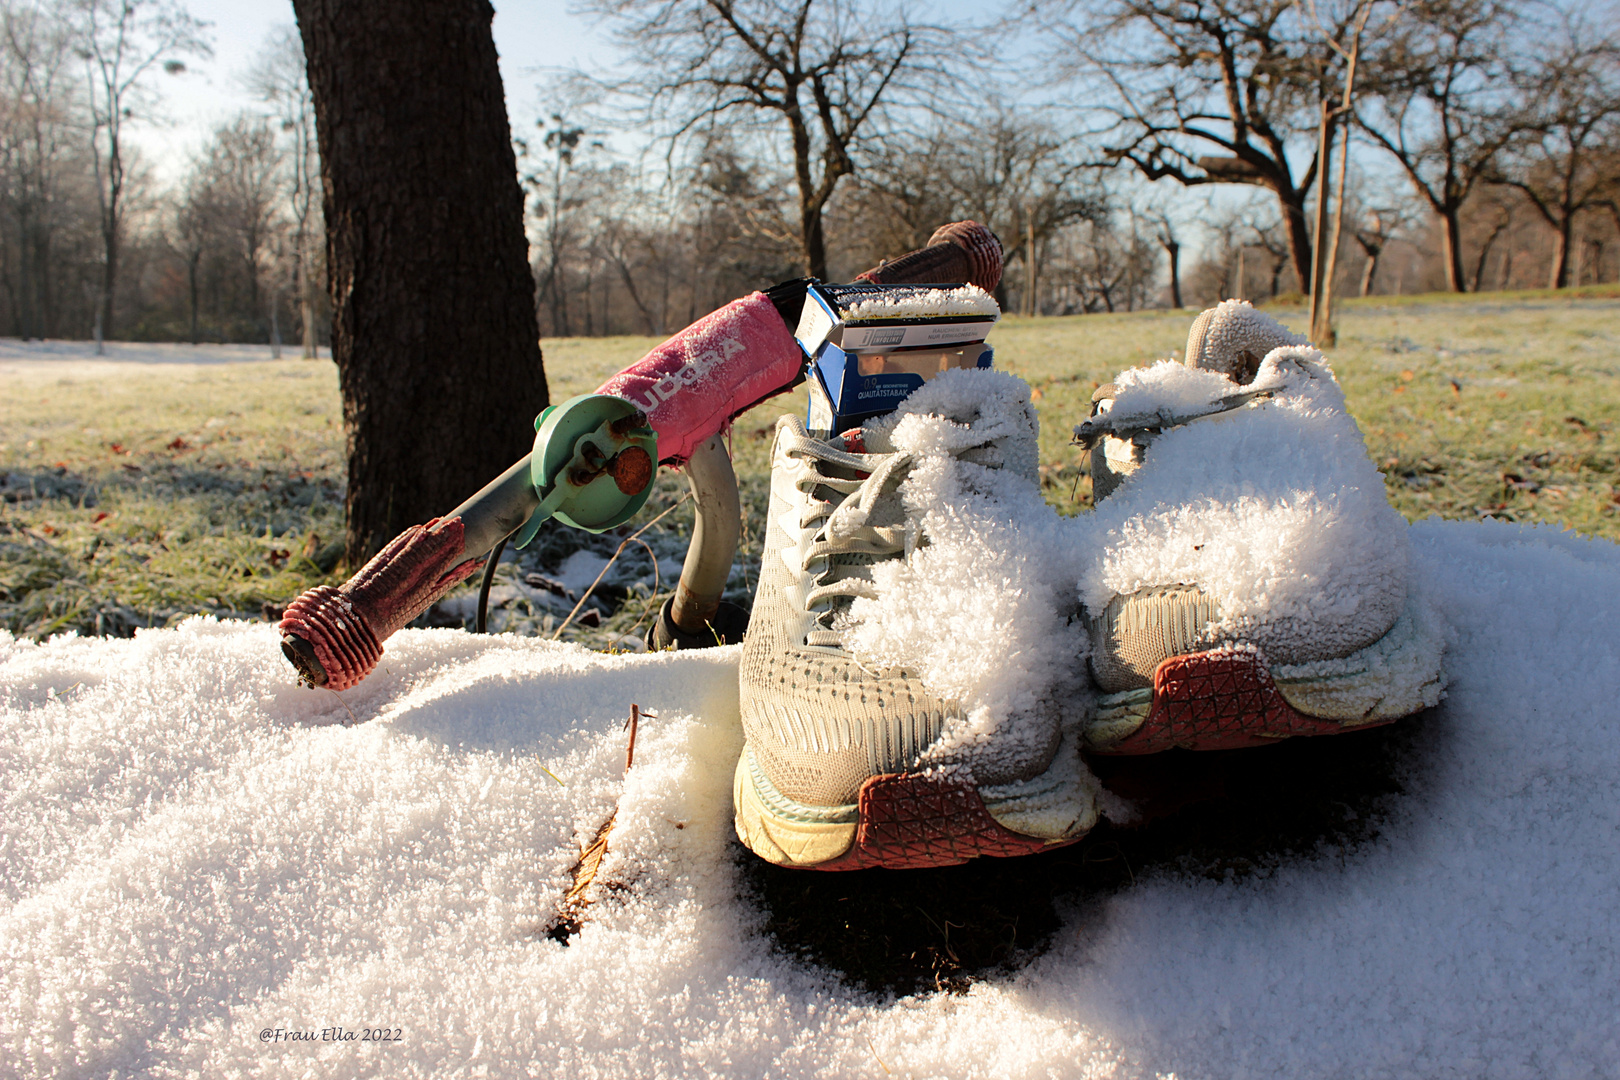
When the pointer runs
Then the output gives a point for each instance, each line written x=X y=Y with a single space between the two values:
x=135 y=494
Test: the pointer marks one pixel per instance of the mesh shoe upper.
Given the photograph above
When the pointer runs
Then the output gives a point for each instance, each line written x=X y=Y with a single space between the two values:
x=818 y=721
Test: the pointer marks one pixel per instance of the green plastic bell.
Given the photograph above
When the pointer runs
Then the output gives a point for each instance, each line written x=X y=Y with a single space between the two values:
x=593 y=464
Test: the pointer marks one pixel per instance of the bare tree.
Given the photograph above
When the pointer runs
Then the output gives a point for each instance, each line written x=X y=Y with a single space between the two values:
x=1345 y=39
x=1229 y=230
x=1205 y=92
x=1012 y=170
x=1572 y=102
x=824 y=70
x=1268 y=237
x=899 y=198
x=279 y=80
x=1373 y=229
x=1023 y=179
x=1442 y=109
x=560 y=194
x=244 y=167
x=1493 y=215
x=1164 y=232
x=40 y=147
x=1113 y=266
x=194 y=231
x=121 y=42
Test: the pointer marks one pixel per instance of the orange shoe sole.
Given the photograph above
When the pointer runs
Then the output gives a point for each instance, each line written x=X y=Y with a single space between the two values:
x=1222 y=699
x=915 y=821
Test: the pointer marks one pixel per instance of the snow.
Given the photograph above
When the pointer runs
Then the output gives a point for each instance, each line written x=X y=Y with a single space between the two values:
x=978 y=611
x=1166 y=386
x=195 y=850
x=933 y=303
x=580 y=570
x=1273 y=509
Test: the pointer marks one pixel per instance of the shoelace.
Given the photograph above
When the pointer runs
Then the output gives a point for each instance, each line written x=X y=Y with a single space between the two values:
x=845 y=543
x=1126 y=425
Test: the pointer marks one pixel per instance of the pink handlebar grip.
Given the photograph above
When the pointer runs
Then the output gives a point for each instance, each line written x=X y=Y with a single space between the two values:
x=693 y=384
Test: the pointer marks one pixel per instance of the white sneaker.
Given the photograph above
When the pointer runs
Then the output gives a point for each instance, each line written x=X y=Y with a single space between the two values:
x=865 y=746
x=1250 y=582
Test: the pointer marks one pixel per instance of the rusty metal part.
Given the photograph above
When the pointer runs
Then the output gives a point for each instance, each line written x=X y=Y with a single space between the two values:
x=632 y=469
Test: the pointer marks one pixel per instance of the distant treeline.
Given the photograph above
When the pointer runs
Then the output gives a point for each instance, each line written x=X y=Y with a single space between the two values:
x=1176 y=157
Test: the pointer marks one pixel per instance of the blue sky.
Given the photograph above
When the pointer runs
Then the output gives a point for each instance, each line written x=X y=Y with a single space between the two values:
x=530 y=35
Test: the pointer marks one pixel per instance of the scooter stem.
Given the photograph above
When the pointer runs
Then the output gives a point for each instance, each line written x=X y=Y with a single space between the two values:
x=498 y=510
x=696 y=617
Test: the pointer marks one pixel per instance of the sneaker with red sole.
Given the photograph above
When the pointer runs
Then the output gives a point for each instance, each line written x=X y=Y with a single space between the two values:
x=1250 y=580
x=851 y=764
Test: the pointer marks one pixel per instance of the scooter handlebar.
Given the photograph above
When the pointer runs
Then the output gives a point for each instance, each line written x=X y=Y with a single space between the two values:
x=690 y=387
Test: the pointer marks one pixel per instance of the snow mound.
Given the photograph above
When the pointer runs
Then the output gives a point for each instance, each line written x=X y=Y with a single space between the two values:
x=1166 y=387
x=1272 y=508
x=196 y=851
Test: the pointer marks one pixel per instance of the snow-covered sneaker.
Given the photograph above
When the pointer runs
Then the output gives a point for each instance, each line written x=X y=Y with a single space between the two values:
x=875 y=736
x=1251 y=580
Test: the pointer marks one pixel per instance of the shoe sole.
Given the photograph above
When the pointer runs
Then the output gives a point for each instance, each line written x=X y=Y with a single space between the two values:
x=899 y=821
x=1228 y=699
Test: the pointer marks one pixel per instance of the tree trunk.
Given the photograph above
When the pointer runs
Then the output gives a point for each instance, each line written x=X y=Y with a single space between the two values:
x=433 y=327
x=1455 y=280
x=1174 y=250
x=24 y=313
x=815 y=242
x=1559 y=277
x=1485 y=253
x=1321 y=321
x=811 y=237
x=104 y=313
x=191 y=281
x=306 y=309
x=275 y=326
x=1370 y=271
x=1299 y=237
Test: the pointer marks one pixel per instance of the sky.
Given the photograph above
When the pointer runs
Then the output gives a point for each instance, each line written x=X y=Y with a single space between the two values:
x=532 y=38
x=530 y=35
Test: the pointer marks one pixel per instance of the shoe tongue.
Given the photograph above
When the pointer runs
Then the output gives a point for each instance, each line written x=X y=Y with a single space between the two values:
x=1233 y=338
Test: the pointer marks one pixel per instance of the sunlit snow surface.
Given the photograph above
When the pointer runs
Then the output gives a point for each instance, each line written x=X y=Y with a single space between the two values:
x=193 y=850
